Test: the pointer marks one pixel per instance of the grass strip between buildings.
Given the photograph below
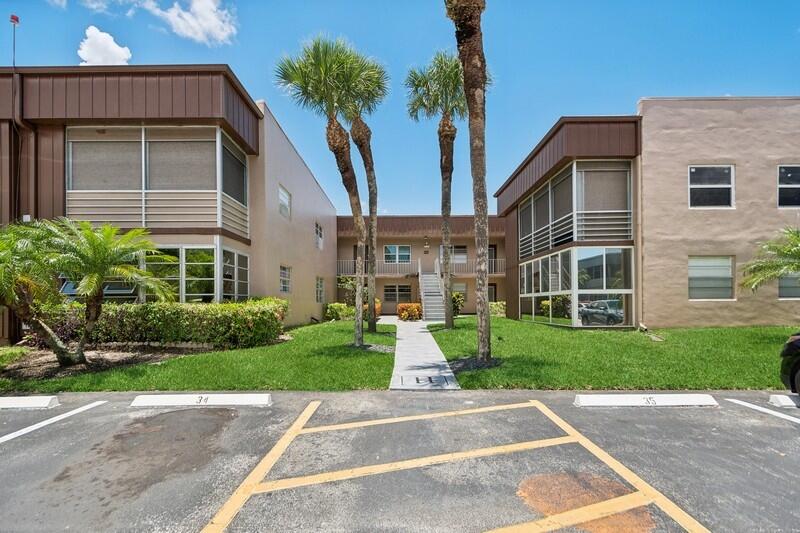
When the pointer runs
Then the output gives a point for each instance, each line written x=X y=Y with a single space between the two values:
x=545 y=357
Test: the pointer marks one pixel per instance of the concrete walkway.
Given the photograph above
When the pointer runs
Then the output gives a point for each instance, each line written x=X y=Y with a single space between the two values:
x=418 y=362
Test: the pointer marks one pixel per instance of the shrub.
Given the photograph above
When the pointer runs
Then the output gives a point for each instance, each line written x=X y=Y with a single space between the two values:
x=412 y=311
x=377 y=308
x=339 y=311
x=497 y=308
x=224 y=325
x=458 y=303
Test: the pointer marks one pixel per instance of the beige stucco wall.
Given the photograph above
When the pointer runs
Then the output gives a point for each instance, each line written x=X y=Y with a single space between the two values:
x=754 y=135
x=345 y=251
x=290 y=242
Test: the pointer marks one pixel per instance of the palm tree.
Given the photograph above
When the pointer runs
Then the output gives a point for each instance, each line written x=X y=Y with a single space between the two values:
x=371 y=84
x=91 y=257
x=438 y=90
x=776 y=258
x=317 y=79
x=466 y=16
x=26 y=282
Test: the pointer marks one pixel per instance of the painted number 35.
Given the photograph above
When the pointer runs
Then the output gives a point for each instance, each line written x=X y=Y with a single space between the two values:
x=649 y=400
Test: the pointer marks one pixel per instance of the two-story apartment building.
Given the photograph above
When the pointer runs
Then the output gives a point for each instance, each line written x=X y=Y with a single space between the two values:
x=183 y=151
x=410 y=248
x=648 y=218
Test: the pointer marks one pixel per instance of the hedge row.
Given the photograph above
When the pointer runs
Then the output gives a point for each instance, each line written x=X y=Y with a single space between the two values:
x=225 y=325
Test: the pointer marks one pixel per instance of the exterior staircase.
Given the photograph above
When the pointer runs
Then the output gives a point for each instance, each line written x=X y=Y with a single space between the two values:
x=432 y=298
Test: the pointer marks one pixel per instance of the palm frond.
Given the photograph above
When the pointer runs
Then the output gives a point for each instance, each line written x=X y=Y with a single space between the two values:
x=776 y=258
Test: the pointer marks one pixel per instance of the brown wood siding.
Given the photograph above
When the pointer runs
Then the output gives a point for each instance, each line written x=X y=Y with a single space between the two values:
x=570 y=138
x=6 y=185
x=512 y=265
x=51 y=184
x=107 y=95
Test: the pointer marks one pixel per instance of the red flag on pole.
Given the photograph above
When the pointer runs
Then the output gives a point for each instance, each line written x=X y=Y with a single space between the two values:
x=14 y=19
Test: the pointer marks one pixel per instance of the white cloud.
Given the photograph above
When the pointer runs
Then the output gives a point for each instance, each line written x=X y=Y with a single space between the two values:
x=99 y=48
x=205 y=21
x=58 y=3
x=100 y=6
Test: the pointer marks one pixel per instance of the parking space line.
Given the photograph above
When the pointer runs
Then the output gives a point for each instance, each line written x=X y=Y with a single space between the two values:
x=408 y=464
x=764 y=410
x=427 y=416
x=581 y=515
x=240 y=496
x=664 y=503
x=43 y=423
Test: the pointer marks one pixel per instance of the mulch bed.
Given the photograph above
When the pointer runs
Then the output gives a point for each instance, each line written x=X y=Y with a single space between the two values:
x=471 y=363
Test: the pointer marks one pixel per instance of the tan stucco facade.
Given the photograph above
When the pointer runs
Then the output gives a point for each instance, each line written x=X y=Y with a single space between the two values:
x=755 y=135
x=427 y=261
x=278 y=240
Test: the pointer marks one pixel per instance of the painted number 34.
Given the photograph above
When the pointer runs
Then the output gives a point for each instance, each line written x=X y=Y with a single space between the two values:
x=201 y=400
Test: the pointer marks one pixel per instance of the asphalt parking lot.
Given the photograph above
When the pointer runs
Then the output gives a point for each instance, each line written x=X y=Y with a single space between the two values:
x=394 y=461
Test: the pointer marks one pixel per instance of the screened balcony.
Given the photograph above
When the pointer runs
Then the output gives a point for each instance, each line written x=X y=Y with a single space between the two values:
x=586 y=201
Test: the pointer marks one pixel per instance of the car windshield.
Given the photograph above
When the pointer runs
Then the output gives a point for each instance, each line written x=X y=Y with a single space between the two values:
x=613 y=304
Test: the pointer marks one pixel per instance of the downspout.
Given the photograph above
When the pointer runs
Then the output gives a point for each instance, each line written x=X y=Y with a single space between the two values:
x=19 y=123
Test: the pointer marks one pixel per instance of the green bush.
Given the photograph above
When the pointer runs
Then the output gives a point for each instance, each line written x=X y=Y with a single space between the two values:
x=224 y=325
x=497 y=308
x=458 y=303
x=339 y=311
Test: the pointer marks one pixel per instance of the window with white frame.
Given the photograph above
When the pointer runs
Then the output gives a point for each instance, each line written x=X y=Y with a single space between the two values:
x=181 y=158
x=104 y=159
x=789 y=287
x=458 y=253
x=235 y=276
x=397 y=293
x=710 y=278
x=284 y=202
x=198 y=278
x=394 y=253
x=166 y=270
x=234 y=171
x=320 y=290
x=285 y=279
x=319 y=235
x=788 y=186
x=711 y=186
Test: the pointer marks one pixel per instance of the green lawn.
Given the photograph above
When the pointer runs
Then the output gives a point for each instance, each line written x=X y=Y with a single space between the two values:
x=546 y=357
x=317 y=358
x=9 y=354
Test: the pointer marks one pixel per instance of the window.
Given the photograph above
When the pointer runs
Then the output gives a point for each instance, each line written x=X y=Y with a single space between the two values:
x=710 y=278
x=394 y=253
x=235 y=276
x=711 y=186
x=234 y=172
x=181 y=158
x=320 y=290
x=284 y=202
x=198 y=284
x=459 y=287
x=286 y=279
x=397 y=293
x=493 y=292
x=104 y=159
x=168 y=271
x=788 y=186
x=458 y=254
x=320 y=235
x=789 y=287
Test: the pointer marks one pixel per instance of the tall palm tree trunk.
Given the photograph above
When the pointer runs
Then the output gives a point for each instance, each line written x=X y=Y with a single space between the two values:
x=362 y=137
x=466 y=16
x=339 y=145
x=447 y=137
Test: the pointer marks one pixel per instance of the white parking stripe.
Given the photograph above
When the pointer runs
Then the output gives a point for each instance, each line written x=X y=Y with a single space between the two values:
x=765 y=410
x=43 y=423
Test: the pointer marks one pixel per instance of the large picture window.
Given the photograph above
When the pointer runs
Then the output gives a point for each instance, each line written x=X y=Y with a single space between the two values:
x=181 y=159
x=788 y=186
x=190 y=274
x=710 y=278
x=711 y=186
x=104 y=159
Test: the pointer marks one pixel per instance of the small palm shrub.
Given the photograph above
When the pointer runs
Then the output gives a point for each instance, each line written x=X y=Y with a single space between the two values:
x=458 y=303
x=411 y=311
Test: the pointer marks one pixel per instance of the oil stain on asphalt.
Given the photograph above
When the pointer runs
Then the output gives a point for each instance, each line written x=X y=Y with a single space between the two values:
x=550 y=494
x=145 y=452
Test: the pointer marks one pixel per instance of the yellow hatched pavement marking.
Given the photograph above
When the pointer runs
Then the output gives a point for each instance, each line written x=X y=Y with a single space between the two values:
x=362 y=471
x=666 y=505
x=411 y=418
x=580 y=515
x=230 y=508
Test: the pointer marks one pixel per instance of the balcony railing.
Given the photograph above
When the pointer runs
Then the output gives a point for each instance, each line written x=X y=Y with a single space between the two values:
x=469 y=266
x=588 y=226
x=347 y=267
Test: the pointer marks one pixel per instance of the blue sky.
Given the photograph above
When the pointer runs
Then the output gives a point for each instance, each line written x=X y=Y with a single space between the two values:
x=547 y=59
